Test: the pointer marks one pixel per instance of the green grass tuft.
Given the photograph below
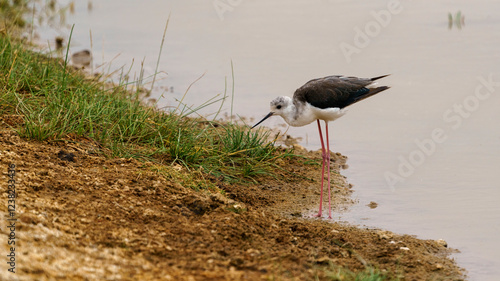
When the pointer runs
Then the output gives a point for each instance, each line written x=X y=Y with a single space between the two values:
x=60 y=104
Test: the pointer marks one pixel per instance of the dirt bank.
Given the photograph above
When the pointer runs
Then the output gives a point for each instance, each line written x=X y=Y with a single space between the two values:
x=82 y=216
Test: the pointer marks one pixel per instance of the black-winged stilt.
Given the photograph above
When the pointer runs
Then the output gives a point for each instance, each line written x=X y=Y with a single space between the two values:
x=323 y=99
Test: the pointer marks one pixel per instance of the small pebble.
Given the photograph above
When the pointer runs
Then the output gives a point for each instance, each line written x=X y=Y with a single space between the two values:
x=384 y=234
x=442 y=243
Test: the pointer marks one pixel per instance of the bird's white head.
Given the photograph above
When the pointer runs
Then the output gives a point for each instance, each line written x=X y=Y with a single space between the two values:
x=282 y=106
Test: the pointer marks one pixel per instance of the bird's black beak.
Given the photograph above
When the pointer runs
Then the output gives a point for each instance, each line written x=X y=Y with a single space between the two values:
x=267 y=116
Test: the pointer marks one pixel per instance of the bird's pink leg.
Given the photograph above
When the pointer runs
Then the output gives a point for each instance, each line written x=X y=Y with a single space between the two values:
x=328 y=167
x=323 y=152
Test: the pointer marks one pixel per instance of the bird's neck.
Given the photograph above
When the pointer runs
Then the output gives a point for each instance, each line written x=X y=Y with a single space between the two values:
x=300 y=114
x=293 y=113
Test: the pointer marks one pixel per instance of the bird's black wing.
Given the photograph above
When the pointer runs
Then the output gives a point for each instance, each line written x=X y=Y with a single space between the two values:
x=336 y=91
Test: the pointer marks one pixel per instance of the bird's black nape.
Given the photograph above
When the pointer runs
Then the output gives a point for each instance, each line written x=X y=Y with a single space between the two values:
x=267 y=116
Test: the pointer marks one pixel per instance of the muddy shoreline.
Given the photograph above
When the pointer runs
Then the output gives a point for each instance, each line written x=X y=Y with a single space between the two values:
x=88 y=217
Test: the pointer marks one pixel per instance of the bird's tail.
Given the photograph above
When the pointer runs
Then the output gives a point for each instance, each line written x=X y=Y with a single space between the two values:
x=379 y=77
x=371 y=92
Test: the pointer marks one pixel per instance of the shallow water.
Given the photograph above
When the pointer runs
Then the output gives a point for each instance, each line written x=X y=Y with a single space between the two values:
x=427 y=150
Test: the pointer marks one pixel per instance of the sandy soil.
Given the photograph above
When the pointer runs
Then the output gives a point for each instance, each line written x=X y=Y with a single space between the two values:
x=82 y=216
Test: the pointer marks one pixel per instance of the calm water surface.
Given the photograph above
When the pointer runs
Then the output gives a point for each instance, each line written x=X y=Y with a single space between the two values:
x=427 y=150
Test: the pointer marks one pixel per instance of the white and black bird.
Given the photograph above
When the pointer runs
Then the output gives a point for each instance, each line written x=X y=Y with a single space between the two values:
x=323 y=99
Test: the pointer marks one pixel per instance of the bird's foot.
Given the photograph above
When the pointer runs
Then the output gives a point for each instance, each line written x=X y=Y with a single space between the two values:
x=318 y=215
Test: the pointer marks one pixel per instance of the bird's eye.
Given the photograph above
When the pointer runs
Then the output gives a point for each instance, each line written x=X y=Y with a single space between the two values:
x=278 y=107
